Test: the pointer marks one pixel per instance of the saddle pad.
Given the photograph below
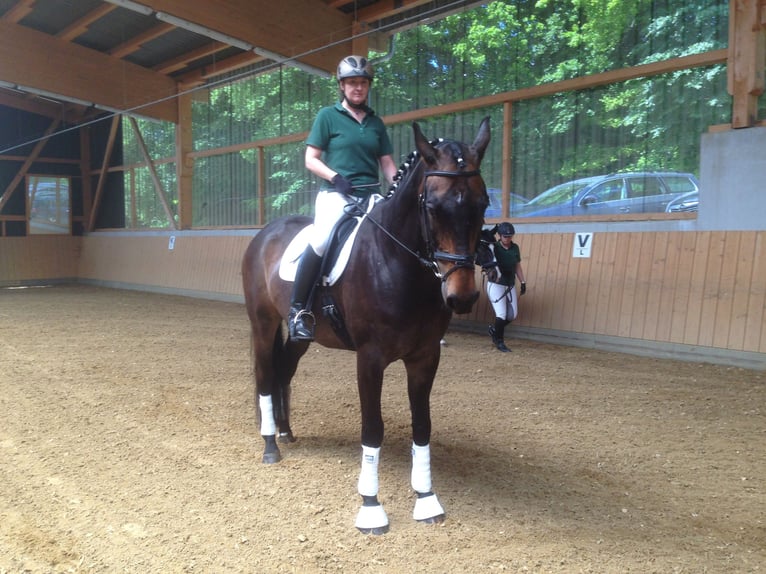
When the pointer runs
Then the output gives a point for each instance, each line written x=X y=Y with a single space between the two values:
x=289 y=263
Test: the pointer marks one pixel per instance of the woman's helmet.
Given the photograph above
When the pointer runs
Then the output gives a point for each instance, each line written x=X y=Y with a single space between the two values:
x=355 y=67
x=506 y=228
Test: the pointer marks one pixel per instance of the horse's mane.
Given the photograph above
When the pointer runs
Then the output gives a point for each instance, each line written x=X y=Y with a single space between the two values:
x=407 y=167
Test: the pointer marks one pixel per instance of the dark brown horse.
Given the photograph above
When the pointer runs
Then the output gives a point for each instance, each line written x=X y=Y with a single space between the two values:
x=410 y=268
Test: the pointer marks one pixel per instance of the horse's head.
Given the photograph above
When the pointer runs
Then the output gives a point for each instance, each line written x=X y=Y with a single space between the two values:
x=485 y=257
x=453 y=199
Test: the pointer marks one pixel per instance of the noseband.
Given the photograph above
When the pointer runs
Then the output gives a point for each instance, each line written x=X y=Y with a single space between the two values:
x=432 y=257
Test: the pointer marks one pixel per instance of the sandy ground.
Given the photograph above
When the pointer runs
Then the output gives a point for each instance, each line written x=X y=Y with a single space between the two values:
x=128 y=444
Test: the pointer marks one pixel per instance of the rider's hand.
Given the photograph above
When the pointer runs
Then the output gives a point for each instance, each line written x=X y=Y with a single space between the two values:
x=342 y=185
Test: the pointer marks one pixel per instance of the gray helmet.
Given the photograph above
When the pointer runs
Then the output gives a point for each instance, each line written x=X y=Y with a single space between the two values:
x=355 y=67
x=506 y=228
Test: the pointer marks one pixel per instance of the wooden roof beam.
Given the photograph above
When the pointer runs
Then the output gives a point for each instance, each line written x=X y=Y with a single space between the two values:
x=283 y=28
x=175 y=64
x=37 y=60
x=19 y=11
x=80 y=26
x=135 y=43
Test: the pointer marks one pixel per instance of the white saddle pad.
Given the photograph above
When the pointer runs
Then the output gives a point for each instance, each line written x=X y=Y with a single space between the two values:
x=289 y=264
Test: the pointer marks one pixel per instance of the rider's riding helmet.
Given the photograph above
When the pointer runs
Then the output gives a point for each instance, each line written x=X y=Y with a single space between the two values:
x=355 y=67
x=506 y=228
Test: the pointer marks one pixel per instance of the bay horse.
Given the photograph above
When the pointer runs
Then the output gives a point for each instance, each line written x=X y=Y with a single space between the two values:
x=411 y=266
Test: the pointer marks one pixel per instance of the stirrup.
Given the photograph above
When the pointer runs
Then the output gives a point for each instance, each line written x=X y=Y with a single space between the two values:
x=297 y=326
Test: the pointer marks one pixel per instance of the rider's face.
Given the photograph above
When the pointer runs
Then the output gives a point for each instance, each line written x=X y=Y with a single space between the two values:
x=506 y=240
x=355 y=89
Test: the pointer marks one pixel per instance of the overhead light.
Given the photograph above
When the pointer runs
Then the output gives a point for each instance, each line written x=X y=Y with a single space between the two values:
x=203 y=31
x=54 y=96
x=9 y=85
x=280 y=59
x=134 y=6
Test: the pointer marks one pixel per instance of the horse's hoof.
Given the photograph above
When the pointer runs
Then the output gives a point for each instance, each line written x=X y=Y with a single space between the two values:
x=271 y=457
x=374 y=531
x=286 y=437
x=271 y=453
x=434 y=519
x=372 y=520
x=427 y=509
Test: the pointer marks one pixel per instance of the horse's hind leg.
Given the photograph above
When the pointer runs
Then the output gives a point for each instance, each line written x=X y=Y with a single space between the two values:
x=275 y=366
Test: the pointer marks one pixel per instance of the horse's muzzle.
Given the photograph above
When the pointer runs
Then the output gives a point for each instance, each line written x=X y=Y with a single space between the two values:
x=462 y=303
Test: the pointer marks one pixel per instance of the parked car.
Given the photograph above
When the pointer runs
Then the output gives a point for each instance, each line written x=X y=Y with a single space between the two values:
x=684 y=202
x=494 y=209
x=638 y=192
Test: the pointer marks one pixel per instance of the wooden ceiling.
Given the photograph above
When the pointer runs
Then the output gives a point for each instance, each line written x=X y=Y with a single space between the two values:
x=70 y=58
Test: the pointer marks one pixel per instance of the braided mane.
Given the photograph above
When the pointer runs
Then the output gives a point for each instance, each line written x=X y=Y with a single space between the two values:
x=407 y=165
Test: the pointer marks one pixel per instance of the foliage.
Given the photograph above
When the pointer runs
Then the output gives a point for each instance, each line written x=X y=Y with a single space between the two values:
x=650 y=123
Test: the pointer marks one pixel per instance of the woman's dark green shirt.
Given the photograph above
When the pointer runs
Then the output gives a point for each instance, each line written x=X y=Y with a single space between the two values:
x=351 y=148
x=507 y=259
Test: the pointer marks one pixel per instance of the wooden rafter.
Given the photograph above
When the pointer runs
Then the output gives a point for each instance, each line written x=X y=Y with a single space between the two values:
x=19 y=11
x=136 y=42
x=80 y=26
x=182 y=60
x=104 y=172
x=27 y=164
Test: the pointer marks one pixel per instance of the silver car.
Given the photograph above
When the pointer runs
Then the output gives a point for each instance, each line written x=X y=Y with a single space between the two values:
x=638 y=192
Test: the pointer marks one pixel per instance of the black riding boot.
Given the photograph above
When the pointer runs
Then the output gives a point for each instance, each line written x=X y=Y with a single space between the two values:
x=498 y=333
x=300 y=322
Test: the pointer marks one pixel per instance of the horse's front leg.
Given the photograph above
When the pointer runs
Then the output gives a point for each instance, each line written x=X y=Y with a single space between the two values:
x=420 y=378
x=371 y=518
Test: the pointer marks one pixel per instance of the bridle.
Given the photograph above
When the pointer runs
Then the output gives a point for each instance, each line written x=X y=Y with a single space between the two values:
x=432 y=256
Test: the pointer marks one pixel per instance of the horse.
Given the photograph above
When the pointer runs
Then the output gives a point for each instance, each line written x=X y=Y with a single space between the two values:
x=410 y=268
x=485 y=256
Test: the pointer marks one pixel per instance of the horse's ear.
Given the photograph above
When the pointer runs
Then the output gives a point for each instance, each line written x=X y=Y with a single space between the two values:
x=425 y=149
x=482 y=138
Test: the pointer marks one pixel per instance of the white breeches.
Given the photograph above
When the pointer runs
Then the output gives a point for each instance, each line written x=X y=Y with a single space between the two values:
x=328 y=209
x=504 y=300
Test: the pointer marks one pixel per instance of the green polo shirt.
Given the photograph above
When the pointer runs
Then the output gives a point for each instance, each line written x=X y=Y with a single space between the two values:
x=507 y=260
x=350 y=148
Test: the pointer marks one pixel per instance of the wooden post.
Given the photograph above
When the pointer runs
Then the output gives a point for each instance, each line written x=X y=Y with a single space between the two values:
x=507 y=158
x=184 y=162
x=747 y=57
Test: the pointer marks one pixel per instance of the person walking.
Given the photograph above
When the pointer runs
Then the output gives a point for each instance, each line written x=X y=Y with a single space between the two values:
x=502 y=291
x=348 y=146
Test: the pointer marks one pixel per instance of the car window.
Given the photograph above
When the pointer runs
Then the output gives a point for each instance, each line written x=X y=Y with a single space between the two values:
x=645 y=187
x=679 y=184
x=611 y=190
x=562 y=193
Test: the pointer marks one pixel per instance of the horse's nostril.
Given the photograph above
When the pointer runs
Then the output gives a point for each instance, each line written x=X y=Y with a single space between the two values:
x=462 y=304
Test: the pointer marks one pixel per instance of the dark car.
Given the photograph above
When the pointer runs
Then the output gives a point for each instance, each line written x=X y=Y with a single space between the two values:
x=639 y=192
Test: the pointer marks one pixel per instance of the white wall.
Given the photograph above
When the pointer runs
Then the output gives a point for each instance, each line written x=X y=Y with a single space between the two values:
x=733 y=180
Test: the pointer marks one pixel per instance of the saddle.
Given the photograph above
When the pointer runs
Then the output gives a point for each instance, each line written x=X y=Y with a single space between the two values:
x=338 y=250
x=333 y=263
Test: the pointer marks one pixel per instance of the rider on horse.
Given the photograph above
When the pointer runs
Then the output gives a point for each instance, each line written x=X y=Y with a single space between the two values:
x=347 y=146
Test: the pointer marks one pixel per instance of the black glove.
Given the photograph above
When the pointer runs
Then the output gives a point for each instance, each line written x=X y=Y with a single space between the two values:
x=342 y=185
x=523 y=287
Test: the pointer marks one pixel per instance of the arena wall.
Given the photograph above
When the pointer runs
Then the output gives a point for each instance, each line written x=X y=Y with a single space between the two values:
x=660 y=287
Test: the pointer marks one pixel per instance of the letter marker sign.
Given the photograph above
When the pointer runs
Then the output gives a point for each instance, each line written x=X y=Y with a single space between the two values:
x=582 y=244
